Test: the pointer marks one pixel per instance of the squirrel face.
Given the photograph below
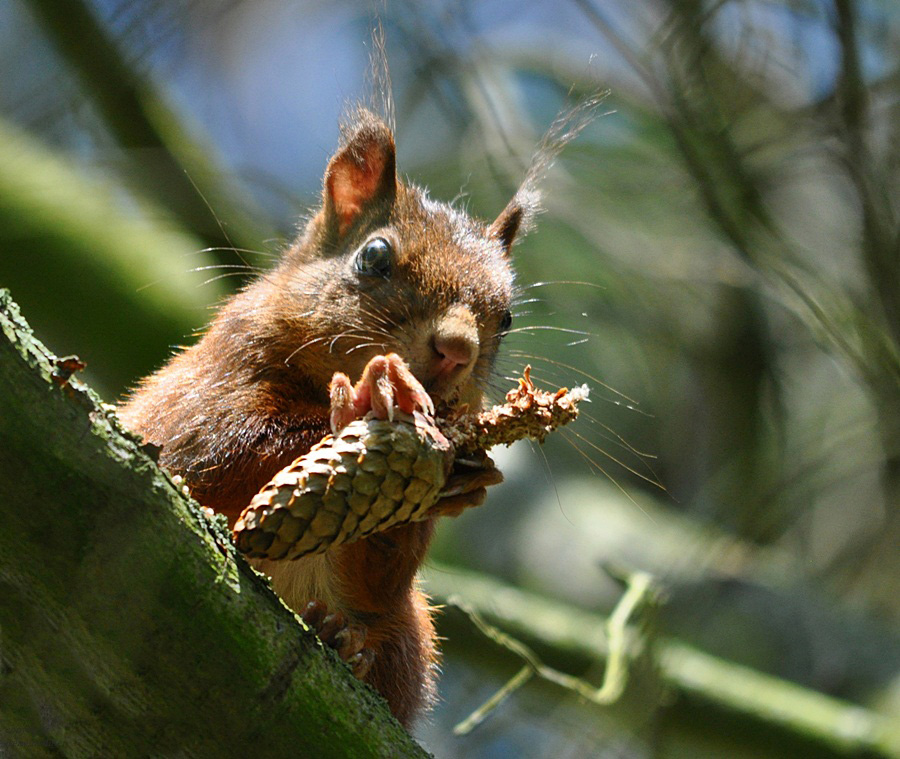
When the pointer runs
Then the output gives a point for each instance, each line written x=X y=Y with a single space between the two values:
x=383 y=268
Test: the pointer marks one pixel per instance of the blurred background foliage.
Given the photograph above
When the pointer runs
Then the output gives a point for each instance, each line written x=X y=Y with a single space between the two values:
x=719 y=259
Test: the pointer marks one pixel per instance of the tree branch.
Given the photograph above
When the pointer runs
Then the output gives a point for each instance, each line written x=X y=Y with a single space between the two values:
x=127 y=622
x=708 y=684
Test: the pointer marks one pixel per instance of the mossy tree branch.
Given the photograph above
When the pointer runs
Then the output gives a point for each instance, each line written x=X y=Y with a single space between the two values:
x=127 y=623
x=705 y=686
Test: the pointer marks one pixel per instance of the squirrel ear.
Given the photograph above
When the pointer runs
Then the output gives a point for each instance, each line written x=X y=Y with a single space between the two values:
x=518 y=216
x=506 y=225
x=362 y=175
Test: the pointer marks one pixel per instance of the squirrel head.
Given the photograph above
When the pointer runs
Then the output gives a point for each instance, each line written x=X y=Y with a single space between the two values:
x=382 y=267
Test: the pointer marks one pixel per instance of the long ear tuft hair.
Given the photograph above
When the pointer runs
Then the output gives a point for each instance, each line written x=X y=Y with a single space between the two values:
x=379 y=90
x=518 y=216
x=565 y=127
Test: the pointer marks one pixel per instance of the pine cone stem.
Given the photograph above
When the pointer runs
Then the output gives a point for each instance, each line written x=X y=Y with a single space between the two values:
x=527 y=413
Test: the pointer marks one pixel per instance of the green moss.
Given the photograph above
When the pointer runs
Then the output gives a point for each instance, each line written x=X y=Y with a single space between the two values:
x=128 y=620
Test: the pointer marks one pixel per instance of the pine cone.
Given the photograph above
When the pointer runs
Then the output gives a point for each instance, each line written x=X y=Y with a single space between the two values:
x=372 y=475
x=376 y=474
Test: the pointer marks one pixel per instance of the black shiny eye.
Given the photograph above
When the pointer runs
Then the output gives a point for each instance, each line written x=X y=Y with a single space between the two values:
x=505 y=323
x=374 y=258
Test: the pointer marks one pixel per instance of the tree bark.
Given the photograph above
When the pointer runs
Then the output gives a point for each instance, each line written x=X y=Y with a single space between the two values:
x=128 y=624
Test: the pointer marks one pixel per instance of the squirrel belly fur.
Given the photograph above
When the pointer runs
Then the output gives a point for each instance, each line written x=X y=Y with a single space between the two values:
x=380 y=269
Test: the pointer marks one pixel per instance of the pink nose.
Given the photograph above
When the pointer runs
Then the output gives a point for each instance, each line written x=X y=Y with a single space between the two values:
x=453 y=352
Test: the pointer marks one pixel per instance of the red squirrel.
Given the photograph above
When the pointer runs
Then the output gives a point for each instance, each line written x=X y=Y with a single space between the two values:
x=384 y=284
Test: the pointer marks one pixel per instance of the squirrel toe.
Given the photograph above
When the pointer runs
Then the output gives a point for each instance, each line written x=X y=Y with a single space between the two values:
x=386 y=383
x=347 y=639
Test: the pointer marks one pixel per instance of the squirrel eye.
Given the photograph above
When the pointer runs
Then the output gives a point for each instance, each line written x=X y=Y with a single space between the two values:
x=374 y=258
x=505 y=323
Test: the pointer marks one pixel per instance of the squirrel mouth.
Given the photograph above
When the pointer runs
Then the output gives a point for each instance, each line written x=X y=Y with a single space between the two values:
x=452 y=392
x=446 y=376
x=439 y=389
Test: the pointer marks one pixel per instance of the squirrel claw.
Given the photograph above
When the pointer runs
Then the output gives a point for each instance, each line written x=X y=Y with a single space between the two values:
x=386 y=383
x=343 y=402
x=361 y=662
x=467 y=485
x=347 y=639
x=410 y=394
x=454 y=505
x=470 y=474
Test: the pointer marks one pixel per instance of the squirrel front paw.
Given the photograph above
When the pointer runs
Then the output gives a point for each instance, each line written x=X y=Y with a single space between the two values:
x=467 y=485
x=348 y=640
x=386 y=383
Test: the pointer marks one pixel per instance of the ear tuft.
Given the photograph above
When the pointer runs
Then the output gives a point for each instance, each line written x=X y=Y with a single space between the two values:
x=516 y=218
x=507 y=224
x=362 y=176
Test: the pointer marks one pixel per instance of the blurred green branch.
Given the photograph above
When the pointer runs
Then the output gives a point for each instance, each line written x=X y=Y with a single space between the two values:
x=165 y=163
x=639 y=594
x=705 y=682
x=116 y=284
x=880 y=251
x=880 y=229
x=706 y=98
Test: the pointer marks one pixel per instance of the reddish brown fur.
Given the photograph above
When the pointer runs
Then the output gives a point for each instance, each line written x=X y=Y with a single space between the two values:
x=252 y=395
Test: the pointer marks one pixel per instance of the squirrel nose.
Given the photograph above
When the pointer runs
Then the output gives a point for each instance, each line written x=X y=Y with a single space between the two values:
x=453 y=352
x=454 y=343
